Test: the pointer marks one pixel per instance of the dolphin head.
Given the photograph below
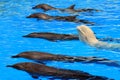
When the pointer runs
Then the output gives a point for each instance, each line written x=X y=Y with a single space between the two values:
x=19 y=66
x=38 y=6
x=34 y=15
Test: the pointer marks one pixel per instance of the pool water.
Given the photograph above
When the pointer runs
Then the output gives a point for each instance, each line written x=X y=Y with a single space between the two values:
x=14 y=24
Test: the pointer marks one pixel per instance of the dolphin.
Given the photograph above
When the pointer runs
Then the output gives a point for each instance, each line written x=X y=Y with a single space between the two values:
x=70 y=9
x=42 y=57
x=52 y=36
x=37 y=70
x=59 y=18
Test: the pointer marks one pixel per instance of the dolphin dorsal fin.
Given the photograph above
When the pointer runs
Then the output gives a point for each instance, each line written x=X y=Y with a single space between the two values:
x=71 y=7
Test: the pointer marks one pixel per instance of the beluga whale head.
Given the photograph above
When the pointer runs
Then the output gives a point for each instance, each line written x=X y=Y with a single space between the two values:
x=86 y=35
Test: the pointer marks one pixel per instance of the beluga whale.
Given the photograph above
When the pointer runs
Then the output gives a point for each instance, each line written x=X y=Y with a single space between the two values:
x=87 y=36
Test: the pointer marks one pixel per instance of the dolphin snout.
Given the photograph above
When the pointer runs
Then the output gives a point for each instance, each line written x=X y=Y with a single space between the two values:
x=16 y=56
x=9 y=66
x=33 y=7
x=28 y=17
x=26 y=36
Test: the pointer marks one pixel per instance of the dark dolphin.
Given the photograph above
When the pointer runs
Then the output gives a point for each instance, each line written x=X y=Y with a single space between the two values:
x=43 y=56
x=48 y=17
x=52 y=36
x=37 y=70
x=70 y=9
x=59 y=18
x=61 y=37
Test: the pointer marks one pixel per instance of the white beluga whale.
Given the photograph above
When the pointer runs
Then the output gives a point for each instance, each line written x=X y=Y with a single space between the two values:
x=87 y=36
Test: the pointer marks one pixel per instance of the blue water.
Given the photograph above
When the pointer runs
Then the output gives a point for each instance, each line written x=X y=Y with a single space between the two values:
x=13 y=25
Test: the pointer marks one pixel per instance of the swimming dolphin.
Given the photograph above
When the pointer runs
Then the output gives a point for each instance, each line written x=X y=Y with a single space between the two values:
x=87 y=36
x=70 y=9
x=59 y=18
x=44 y=56
x=37 y=70
x=52 y=36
